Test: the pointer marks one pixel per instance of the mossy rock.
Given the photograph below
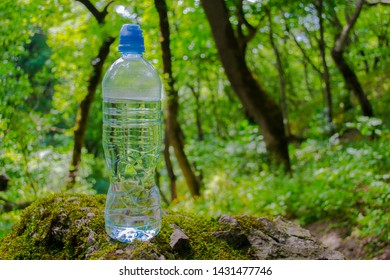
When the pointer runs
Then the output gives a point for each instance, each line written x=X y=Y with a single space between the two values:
x=72 y=227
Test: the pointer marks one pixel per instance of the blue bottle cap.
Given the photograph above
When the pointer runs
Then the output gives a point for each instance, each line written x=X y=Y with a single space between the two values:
x=131 y=39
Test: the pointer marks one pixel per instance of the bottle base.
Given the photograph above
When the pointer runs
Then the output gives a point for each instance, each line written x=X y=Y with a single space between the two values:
x=129 y=234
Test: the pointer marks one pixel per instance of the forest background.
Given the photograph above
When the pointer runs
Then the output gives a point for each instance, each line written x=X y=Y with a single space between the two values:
x=271 y=107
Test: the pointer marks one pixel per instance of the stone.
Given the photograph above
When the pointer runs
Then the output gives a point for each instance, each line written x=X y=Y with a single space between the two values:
x=228 y=220
x=71 y=227
x=179 y=241
x=282 y=239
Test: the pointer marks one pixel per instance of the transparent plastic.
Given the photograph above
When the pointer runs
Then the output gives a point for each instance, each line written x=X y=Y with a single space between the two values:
x=131 y=143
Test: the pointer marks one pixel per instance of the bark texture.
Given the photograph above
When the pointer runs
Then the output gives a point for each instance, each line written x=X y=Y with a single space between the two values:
x=173 y=126
x=84 y=108
x=196 y=94
x=254 y=98
x=93 y=82
x=168 y=164
x=325 y=70
x=349 y=75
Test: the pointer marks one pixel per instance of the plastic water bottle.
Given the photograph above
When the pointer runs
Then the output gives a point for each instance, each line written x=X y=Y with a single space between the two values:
x=131 y=141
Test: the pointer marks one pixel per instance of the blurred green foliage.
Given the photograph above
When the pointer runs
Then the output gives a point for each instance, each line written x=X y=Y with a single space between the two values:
x=346 y=183
x=46 y=49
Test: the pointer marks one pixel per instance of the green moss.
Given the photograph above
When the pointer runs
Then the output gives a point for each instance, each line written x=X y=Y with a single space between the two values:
x=54 y=228
x=204 y=245
x=72 y=227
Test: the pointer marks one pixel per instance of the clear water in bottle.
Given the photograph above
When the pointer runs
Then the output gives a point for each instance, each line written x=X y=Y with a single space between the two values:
x=131 y=141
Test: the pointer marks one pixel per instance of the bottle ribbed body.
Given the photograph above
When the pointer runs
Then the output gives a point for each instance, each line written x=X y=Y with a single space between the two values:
x=131 y=143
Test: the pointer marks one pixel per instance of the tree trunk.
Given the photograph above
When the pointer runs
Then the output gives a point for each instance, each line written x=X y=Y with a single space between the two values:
x=253 y=97
x=157 y=180
x=173 y=127
x=84 y=108
x=307 y=82
x=168 y=164
x=93 y=81
x=346 y=71
x=353 y=83
x=281 y=74
x=196 y=94
x=213 y=98
x=325 y=72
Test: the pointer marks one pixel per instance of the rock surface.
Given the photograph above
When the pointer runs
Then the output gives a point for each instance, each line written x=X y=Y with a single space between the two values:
x=72 y=227
x=179 y=240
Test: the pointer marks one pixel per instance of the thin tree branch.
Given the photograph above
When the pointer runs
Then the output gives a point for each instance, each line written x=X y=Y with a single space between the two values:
x=303 y=51
x=307 y=31
x=105 y=9
x=306 y=56
x=95 y=12
x=98 y=15
x=334 y=19
x=343 y=36
x=252 y=30
x=244 y=21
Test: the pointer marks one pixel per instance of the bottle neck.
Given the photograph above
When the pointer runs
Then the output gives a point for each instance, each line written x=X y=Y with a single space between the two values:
x=126 y=55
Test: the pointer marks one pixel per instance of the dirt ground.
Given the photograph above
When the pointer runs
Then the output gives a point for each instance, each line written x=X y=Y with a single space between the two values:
x=348 y=243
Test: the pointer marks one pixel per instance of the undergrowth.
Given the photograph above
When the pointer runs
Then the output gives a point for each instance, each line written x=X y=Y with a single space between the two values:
x=347 y=183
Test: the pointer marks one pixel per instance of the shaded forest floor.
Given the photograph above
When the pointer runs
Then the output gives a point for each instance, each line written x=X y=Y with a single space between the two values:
x=339 y=191
x=353 y=247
